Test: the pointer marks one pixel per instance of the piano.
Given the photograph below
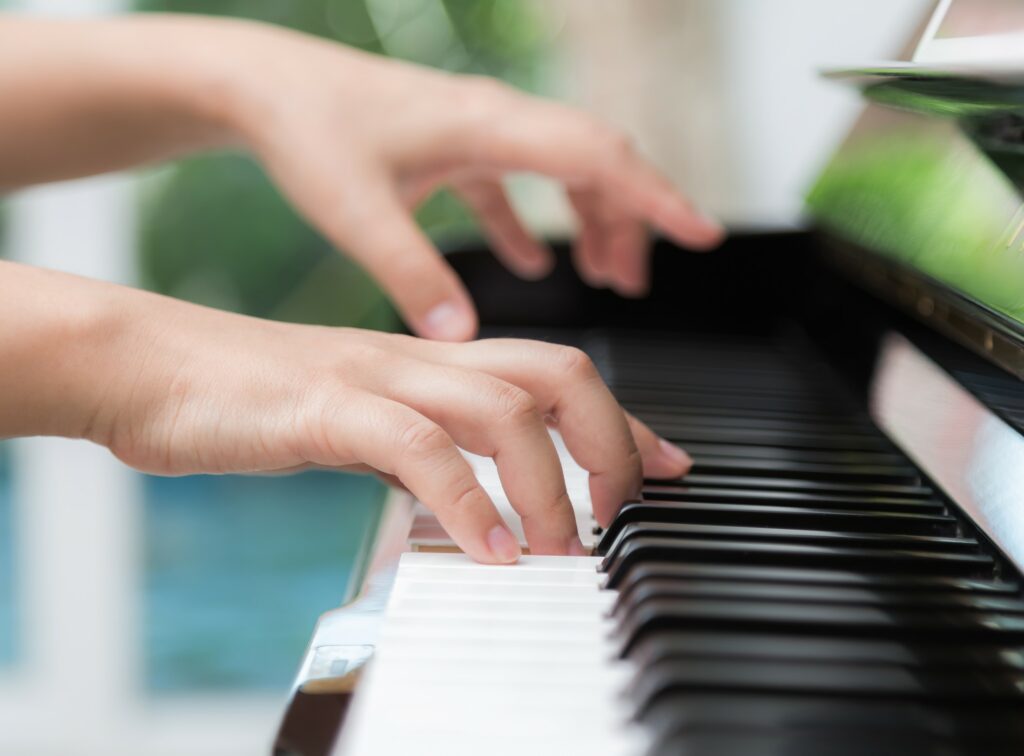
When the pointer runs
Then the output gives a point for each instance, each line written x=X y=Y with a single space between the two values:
x=840 y=572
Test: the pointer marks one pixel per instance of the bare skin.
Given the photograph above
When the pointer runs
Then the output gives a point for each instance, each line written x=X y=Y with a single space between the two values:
x=355 y=142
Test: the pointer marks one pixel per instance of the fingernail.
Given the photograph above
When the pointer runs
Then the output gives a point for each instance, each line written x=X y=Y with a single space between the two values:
x=447 y=322
x=536 y=266
x=634 y=289
x=576 y=547
x=711 y=221
x=503 y=545
x=674 y=454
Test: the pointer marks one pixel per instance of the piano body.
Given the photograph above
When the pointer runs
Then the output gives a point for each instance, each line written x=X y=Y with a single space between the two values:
x=840 y=573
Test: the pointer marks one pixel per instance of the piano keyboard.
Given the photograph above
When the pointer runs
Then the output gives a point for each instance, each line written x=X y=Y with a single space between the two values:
x=803 y=591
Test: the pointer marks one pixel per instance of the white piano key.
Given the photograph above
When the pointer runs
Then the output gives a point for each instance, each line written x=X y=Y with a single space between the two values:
x=495 y=660
x=556 y=564
x=427 y=531
x=519 y=574
x=502 y=591
x=496 y=608
x=483 y=650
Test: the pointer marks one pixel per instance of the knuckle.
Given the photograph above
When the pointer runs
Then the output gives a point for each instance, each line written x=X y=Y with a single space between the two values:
x=635 y=464
x=576 y=364
x=464 y=498
x=513 y=405
x=421 y=439
x=488 y=200
x=552 y=510
x=612 y=141
x=618 y=144
x=360 y=354
x=634 y=459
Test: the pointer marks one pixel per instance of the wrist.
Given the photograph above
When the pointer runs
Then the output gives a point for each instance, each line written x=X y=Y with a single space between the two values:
x=215 y=77
x=60 y=345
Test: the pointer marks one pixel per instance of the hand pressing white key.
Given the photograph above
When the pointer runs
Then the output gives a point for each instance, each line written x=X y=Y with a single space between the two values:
x=172 y=388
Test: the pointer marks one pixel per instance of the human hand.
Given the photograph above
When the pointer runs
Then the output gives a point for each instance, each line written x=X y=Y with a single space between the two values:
x=172 y=388
x=356 y=141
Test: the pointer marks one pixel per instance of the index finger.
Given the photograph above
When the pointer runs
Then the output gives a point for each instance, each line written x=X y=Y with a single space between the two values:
x=566 y=386
x=553 y=139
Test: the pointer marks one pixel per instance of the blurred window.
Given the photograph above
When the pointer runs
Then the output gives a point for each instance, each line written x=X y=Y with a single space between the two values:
x=237 y=568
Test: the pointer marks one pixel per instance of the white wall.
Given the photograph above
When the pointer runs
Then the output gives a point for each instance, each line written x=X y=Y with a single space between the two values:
x=724 y=95
x=783 y=118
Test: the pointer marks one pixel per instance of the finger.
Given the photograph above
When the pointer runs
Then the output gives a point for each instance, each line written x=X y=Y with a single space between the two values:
x=516 y=247
x=399 y=441
x=566 y=385
x=661 y=458
x=627 y=251
x=588 y=250
x=547 y=137
x=493 y=418
x=389 y=244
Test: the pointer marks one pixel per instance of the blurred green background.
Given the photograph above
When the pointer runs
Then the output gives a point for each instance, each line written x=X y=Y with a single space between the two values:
x=237 y=569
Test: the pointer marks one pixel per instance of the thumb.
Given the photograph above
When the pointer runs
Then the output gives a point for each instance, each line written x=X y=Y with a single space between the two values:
x=427 y=292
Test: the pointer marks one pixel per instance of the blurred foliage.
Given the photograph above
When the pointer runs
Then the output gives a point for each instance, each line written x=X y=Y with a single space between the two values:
x=215 y=231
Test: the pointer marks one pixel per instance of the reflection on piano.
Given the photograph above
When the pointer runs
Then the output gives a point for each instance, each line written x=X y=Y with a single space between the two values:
x=841 y=571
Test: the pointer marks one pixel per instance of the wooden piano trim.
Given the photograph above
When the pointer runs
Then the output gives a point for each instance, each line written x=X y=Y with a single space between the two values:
x=983 y=330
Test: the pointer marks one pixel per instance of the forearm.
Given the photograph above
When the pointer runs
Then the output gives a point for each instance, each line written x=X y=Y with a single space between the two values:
x=85 y=97
x=59 y=350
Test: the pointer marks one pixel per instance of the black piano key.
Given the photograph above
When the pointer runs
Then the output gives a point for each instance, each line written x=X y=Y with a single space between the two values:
x=640 y=530
x=753 y=553
x=686 y=492
x=850 y=722
x=823 y=679
x=693 y=403
x=658 y=589
x=901 y=581
x=790 y=618
x=803 y=589
x=764 y=377
x=793 y=439
x=685 y=644
x=711 y=415
x=866 y=521
x=680 y=410
x=796 y=485
x=708 y=465
x=707 y=415
x=833 y=743
x=828 y=456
